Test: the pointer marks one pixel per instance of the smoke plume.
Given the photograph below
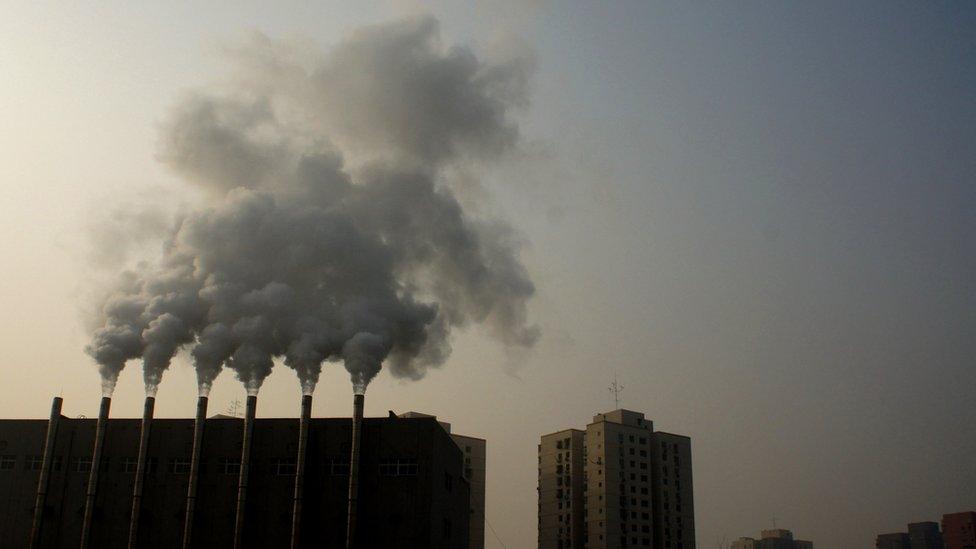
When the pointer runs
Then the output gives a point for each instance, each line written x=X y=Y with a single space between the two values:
x=328 y=228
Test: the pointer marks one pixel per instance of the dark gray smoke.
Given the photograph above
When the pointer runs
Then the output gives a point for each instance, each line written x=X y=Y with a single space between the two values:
x=329 y=230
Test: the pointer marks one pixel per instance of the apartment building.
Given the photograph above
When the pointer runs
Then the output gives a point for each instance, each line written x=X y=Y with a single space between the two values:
x=617 y=483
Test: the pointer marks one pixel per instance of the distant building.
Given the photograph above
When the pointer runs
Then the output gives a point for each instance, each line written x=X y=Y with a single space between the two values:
x=777 y=538
x=618 y=483
x=925 y=535
x=959 y=530
x=413 y=487
x=745 y=543
x=896 y=540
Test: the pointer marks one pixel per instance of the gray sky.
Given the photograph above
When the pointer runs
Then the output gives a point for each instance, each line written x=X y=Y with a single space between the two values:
x=758 y=216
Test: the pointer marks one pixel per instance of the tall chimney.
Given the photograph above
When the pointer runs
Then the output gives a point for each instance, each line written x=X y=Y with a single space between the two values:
x=96 y=465
x=42 y=482
x=191 y=490
x=147 y=417
x=252 y=405
x=296 y=516
x=357 y=434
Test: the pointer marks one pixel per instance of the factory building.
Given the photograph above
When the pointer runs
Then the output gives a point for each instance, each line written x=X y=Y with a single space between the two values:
x=413 y=487
x=475 y=455
x=618 y=483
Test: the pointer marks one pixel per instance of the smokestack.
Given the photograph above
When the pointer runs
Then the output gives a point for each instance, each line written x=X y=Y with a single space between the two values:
x=42 y=482
x=357 y=433
x=96 y=464
x=147 y=417
x=191 y=490
x=296 y=517
x=252 y=405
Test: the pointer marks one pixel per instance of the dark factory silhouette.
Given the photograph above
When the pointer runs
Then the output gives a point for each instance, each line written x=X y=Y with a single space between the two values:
x=396 y=481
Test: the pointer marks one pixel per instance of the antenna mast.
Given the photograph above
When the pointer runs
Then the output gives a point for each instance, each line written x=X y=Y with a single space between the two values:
x=234 y=409
x=615 y=390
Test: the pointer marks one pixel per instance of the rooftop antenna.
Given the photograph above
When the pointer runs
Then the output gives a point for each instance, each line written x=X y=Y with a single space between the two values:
x=615 y=390
x=774 y=522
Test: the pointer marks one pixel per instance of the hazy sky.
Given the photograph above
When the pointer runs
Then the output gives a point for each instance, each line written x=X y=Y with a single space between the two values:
x=759 y=216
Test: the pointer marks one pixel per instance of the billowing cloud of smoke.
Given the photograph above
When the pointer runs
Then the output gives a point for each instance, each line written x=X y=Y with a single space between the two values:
x=330 y=230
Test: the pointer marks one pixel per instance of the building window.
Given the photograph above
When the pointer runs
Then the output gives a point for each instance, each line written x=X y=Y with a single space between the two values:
x=179 y=466
x=339 y=467
x=399 y=468
x=33 y=463
x=129 y=465
x=7 y=462
x=230 y=466
x=81 y=465
x=285 y=467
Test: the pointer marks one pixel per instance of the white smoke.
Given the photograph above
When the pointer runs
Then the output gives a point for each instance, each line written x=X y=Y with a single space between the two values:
x=330 y=230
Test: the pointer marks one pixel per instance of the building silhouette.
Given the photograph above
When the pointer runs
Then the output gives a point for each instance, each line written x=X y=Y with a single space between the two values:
x=925 y=535
x=895 y=540
x=617 y=483
x=413 y=487
x=745 y=543
x=959 y=530
x=475 y=455
x=777 y=538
